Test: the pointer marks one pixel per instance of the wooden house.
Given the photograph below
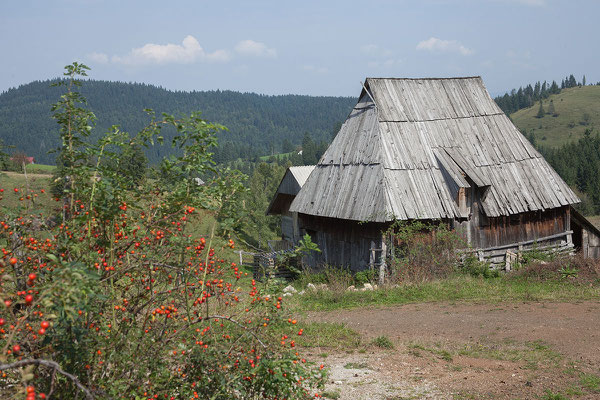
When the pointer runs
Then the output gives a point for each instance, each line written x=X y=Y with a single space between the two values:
x=432 y=150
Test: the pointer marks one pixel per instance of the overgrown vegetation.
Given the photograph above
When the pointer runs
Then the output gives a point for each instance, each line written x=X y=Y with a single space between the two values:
x=115 y=295
x=421 y=251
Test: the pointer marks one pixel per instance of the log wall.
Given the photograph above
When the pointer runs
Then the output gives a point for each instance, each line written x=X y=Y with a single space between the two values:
x=342 y=242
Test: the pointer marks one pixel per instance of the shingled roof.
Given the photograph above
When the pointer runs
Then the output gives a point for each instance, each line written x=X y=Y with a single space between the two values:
x=410 y=144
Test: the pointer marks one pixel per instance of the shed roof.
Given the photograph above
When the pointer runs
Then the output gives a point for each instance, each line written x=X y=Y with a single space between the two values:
x=408 y=144
x=291 y=183
x=301 y=173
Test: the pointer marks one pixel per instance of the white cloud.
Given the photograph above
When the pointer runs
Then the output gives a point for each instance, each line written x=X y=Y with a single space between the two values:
x=447 y=46
x=187 y=52
x=255 y=49
x=100 y=58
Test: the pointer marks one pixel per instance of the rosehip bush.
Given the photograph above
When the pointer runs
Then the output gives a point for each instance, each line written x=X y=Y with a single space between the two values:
x=114 y=296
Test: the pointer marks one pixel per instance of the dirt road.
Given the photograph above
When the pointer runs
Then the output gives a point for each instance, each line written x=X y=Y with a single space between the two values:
x=469 y=351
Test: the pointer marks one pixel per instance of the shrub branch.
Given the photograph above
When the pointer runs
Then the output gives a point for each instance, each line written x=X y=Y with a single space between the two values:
x=55 y=367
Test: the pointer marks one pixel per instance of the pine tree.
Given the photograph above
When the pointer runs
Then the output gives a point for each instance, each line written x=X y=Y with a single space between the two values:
x=541 y=112
x=531 y=138
x=583 y=81
x=551 y=109
x=309 y=149
x=536 y=91
x=544 y=92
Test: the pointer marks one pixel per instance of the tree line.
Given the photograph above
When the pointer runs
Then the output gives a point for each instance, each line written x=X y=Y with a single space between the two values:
x=258 y=125
x=527 y=96
x=578 y=163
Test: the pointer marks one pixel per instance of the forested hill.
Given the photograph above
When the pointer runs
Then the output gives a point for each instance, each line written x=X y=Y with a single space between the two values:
x=258 y=124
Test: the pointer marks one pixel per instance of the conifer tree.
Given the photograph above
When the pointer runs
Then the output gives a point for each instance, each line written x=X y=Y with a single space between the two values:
x=536 y=90
x=551 y=109
x=541 y=112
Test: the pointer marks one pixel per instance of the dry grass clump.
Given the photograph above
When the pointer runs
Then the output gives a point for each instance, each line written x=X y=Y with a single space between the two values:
x=423 y=252
x=573 y=268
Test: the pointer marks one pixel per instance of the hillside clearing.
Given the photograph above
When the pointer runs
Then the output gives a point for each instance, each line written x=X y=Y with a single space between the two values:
x=577 y=109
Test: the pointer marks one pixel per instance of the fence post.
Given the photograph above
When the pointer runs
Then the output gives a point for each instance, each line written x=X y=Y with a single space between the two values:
x=382 y=263
x=372 y=256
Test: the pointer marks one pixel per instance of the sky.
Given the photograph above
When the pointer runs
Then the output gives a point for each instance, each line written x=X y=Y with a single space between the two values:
x=324 y=48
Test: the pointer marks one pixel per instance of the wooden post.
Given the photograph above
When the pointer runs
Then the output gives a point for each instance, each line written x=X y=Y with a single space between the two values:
x=382 y=263
x=372 y=256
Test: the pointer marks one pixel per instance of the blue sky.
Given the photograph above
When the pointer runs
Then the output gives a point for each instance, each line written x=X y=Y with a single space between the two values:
x=302 y=47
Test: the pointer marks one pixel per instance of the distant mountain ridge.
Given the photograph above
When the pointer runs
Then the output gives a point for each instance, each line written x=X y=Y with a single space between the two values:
x=257 y=124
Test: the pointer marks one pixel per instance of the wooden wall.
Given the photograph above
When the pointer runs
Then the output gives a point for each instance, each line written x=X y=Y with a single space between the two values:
x=342 y=242
x=348 y=243
x=593 y=245
x=586 y=236
x=483 y=232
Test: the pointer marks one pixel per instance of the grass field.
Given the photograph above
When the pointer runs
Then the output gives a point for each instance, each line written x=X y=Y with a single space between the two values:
x=578 y=109
x=9 y=181
x=40 y=169
x=457 y=288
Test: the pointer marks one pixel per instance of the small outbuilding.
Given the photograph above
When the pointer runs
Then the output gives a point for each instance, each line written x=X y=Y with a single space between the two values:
x=290 y=185
x=431 y=150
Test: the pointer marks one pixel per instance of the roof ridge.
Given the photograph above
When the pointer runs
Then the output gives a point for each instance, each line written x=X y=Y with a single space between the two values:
x=426 y=79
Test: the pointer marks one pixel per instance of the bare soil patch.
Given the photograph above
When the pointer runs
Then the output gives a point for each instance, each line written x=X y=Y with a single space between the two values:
x=468 y=351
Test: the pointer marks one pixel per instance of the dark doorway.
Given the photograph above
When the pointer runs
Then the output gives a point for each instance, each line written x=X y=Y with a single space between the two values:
x=577 y=235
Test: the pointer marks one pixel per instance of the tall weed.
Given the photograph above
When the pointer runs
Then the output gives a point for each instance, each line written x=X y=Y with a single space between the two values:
x=422 y=252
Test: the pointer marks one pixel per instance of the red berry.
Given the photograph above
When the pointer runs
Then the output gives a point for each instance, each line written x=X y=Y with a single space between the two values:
x=16 y=348
x=16 y=190
x=45 y=324
x=28 y=299
x=41 y=331
x=32 y=277
x=12 y=260
x=2 y=321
